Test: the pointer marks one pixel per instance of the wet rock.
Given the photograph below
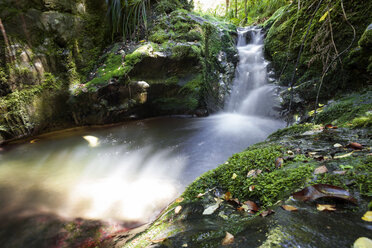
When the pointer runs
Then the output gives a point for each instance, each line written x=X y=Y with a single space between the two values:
x=201 y=112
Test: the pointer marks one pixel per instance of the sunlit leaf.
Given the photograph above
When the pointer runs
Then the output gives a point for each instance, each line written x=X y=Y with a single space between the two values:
x=234 y=176
x=178 y=200
x=367 y=216
x=362 y=242
x=289 y=208
x=325 y=207
x=229 y=239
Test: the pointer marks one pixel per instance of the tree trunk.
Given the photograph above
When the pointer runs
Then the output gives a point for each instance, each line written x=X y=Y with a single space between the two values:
x=236 y=8
x=227 y=7
x=6 y=41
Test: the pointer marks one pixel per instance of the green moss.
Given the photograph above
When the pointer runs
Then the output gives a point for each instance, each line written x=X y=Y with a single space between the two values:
x=296 y=129
x=160 y=36
x=350 y=109
x=183 y=51
x=271 y=185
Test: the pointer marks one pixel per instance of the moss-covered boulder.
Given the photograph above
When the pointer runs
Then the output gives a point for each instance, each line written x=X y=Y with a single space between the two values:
x=172 y=62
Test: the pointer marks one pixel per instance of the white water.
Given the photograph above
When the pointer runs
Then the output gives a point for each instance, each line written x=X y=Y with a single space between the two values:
x=135 y=170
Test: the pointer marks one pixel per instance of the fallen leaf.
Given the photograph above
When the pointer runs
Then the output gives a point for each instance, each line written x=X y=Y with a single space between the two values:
x=362 y=242
x=227 y=196
x=321 y=170
x=229 y=239
x=223 y=216
x=185 y=245
x=345 y=155
x=355 y=146
x=156 y=241
x=178 y=209
x=290 y=153
x=254 y=173
x=317 y=191
x=289 y=208
x=279 y=162
x=234 y=176
x=34 y=141
x=367 y=216
x=211 y=209
x=200 y=195
x=337 y=145
x=324 y=207
x=251 y=206
x=339 y=172
x=330 y=126
x=267 y=212
x=178 y=200
x=251 y=188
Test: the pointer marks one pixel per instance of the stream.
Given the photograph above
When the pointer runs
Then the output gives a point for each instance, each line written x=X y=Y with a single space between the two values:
x=128 y=173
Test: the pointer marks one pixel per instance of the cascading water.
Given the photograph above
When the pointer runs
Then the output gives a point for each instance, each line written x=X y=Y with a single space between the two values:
x=137 y=168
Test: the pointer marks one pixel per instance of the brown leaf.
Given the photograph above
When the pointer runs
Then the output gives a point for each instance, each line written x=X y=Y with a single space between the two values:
x=229 y=239
x=324 y=207
x=321 y=170
x=267 y=212
x=317 y=191
x=279 y=162
x=178 y=209
x=289 y=208
x=355 y=146
x=251 y=188
x=251 y=205
x=330 y=126
x=227 y=196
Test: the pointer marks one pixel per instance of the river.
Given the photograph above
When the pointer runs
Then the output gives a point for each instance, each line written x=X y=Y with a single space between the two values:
x=131 y=171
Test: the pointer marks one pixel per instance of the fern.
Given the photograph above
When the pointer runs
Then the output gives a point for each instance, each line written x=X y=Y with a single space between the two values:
x=127 y=16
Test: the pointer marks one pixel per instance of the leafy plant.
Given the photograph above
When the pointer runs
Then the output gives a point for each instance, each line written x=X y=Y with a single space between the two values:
x=127 y=16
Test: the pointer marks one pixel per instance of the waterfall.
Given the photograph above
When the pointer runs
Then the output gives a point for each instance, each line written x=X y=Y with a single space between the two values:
x=251 y=94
